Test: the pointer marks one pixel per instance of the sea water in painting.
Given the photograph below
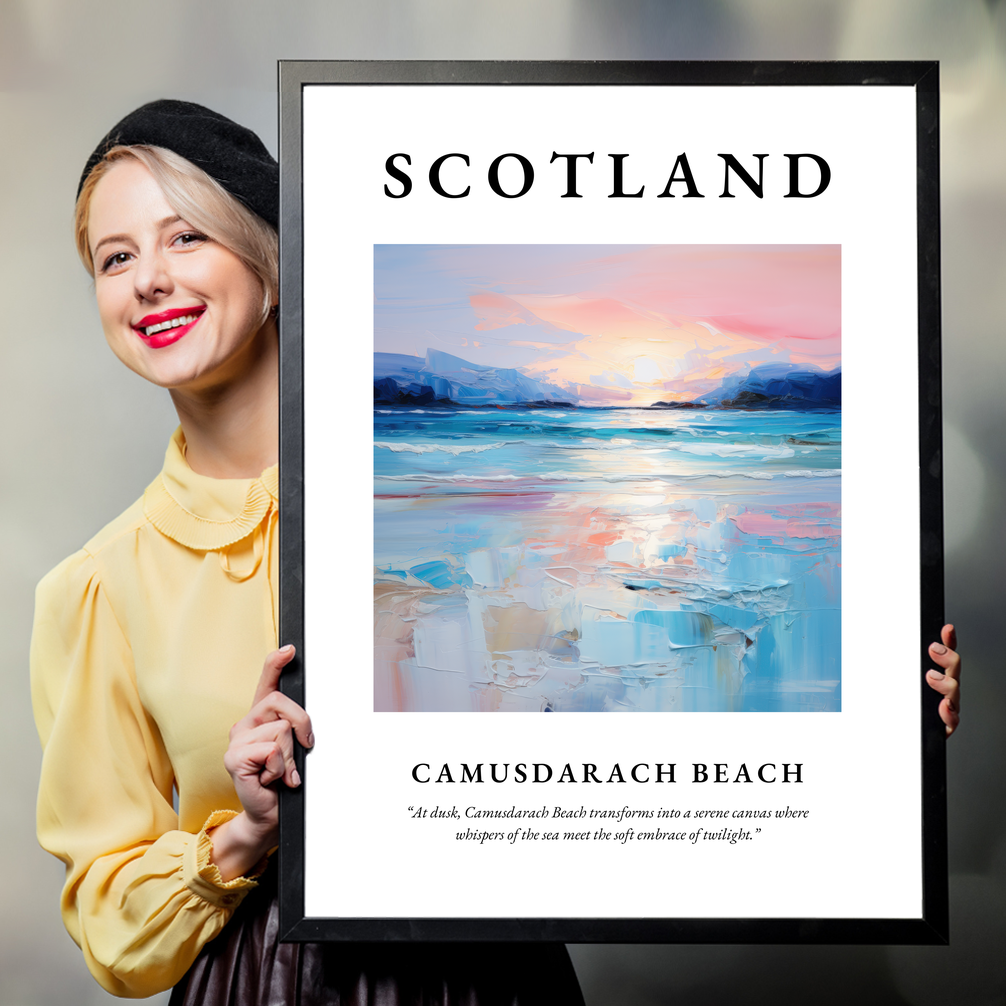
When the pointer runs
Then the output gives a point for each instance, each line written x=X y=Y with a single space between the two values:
x=607 y=478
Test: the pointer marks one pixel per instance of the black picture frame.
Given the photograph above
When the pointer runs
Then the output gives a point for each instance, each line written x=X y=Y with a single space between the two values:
x=931 y=927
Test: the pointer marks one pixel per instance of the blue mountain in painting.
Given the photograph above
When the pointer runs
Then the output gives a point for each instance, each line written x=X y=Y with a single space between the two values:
x=774 y=386
x=442 y=379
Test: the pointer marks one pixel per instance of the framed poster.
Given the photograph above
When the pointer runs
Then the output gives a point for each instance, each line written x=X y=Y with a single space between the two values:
x=620 y=382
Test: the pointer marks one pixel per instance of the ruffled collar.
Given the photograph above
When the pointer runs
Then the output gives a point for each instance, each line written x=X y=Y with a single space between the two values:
x=203 y=513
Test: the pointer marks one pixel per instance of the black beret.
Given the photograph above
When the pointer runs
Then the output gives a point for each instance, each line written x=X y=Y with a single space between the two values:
x=231 y=154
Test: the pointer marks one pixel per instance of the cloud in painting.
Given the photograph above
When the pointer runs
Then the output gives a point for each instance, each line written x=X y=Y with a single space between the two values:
x=496 y=310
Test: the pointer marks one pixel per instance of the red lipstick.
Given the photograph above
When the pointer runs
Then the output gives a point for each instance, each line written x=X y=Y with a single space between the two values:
x=166 y=327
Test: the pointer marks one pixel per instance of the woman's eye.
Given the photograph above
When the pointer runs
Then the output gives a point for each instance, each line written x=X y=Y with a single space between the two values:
x=114 y=261
x=190 y=238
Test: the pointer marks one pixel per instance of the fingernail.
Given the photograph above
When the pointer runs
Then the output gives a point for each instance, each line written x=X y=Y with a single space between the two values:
x=938 y=648
x=310 y=740
x=295 y=777
x=287 y=649
x=936 y=676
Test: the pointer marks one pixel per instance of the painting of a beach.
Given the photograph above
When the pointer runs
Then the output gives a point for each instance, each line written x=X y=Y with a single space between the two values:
x=607 y=478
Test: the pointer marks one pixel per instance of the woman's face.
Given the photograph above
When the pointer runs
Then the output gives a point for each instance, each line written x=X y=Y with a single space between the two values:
x=177 y=308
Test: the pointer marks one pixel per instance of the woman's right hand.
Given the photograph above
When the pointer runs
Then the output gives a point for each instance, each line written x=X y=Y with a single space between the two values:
x=259 y=754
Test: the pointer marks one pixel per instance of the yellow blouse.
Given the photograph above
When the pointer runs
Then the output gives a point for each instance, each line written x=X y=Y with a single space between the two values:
x=147 y=647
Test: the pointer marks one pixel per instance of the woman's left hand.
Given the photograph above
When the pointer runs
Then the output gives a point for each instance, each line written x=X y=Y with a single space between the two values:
x=948 y=681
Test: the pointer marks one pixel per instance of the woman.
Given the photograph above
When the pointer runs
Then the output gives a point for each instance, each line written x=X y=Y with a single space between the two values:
x=148 y=643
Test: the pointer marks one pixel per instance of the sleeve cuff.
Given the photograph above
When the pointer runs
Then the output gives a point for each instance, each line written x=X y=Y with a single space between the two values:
x=202 y=876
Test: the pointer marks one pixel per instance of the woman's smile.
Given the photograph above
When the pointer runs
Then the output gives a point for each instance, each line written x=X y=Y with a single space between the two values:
x=166 y=327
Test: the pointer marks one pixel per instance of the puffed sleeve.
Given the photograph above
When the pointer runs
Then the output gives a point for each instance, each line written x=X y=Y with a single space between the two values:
x=141 y=898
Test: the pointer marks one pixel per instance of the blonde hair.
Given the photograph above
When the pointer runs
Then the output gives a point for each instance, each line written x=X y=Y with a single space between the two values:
x=199 y=200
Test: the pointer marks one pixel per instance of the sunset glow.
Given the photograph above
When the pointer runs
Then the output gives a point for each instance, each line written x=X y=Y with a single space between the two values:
x=625 y=326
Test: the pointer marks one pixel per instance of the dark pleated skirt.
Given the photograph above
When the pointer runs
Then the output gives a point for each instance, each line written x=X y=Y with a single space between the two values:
x=246 y=965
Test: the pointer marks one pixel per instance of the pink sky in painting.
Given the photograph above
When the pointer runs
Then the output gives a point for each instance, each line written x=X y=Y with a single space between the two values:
x=639 y=324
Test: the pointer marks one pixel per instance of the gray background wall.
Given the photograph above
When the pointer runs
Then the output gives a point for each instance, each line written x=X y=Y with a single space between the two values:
x=82 y=436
